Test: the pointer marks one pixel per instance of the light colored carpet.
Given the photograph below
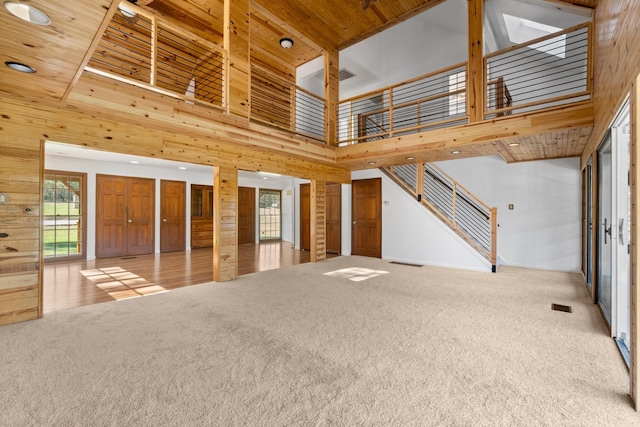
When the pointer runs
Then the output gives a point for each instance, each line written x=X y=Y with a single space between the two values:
x=413 y=346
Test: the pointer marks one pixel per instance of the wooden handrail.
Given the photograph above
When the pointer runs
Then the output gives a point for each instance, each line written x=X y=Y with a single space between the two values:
x=390 y=87
x=441 y=172
x=538 y=40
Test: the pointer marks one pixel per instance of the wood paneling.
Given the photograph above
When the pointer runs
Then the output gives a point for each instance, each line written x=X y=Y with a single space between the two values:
x=616 y=41
x=20 y=253
x=478 y=139
x=635 y=242
x=55 y=51
x=236 y=43
x=225 y=224
x=305 y=217
x=318 y=220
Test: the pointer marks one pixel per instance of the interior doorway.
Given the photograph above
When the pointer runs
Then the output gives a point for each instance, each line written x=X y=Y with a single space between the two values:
x=173 y=215
x=366 y=229
x=246 y=215
x=125 y=208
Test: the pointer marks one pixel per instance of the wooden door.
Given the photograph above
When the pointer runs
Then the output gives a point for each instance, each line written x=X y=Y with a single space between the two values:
x=172 y=216
x=246 y=215
x=141 y=214
x=111 y=218
x=334 y=216
x=366 y=231
x=305 y=217
x=125 y=210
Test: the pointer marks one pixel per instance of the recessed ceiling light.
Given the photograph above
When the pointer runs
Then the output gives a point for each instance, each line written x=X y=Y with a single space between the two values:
x=27 y=13
x=456 y=152
x=134 y=162
x=23 y=68
x=372 y=163
x=514 y=144
x=182 y=168
x=410 y=158
x=286 y=42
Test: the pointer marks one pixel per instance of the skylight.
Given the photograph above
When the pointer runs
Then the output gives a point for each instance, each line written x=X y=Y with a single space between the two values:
x=522 y=30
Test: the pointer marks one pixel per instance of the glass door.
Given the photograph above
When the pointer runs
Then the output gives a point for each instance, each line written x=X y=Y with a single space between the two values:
x=621 y=328
x=605 y=271
x=63 y=216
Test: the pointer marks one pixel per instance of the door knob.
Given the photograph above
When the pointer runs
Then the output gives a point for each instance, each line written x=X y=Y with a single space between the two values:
x=164 y=220
x=129 y=220
x=354 y=222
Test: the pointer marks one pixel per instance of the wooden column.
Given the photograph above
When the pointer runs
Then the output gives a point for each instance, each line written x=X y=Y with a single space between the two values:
x=475 y=68
x=331 y=96
x=236 y=43
x=635 y=240
x=225 y=224
x=420 y=180
x=20 y=219
x=318 y=220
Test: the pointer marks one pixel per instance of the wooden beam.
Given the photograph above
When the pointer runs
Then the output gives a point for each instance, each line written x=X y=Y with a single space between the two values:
x=225 y=224
x=575 y=116
x=331 y=96
x=475 y=67
x=318 y=220
x=236 y=43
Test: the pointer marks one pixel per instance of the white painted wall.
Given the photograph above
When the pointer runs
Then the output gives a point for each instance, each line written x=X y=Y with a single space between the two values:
x=94 y=167
x=543 y=230
x=412 y=234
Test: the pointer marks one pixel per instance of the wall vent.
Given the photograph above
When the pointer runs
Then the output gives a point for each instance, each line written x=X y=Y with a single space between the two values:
x=345 y=74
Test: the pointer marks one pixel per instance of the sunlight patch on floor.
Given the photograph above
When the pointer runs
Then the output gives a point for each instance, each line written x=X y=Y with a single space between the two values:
x=356 y=274
x=121 y=284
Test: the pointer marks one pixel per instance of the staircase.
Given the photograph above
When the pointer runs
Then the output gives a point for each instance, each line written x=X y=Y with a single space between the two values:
x=463 y=212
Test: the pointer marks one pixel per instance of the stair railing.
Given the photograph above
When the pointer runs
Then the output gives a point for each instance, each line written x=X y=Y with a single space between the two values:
x=465 y=213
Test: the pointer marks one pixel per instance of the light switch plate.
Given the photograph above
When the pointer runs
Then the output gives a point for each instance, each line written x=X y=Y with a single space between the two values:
x=4 y=198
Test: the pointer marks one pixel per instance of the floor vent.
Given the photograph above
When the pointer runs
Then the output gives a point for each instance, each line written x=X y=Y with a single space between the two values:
x=405 y=263
x=129 y=257
x=560 y=307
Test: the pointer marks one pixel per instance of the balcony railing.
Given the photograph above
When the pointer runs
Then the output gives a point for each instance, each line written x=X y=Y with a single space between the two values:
x=430 y=101
x=545 y=72
x=280 y=103
x=139 y=50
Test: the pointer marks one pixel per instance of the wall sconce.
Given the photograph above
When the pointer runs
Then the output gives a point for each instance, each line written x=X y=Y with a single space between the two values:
x=286 y=42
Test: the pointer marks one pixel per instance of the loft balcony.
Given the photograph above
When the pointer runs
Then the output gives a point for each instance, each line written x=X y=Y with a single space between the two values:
x=546 y=73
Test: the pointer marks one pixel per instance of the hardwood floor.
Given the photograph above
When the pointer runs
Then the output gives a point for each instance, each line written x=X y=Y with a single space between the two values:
x=78 y=283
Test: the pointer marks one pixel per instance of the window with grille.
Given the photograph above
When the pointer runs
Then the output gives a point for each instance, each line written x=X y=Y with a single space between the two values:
x=270 y=217
x=63 y=215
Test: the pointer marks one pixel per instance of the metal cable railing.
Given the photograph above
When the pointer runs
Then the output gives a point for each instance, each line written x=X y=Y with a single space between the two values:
x=459 y=206
x=430 y=101
x=545 y=72
x=138 y=49
x=462 y=211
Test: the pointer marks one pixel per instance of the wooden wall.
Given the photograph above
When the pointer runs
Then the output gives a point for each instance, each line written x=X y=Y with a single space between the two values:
x=616 y=65
x=20 y=194
x=615 y=74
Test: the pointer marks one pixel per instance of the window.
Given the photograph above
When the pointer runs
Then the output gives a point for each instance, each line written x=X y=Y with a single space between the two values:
x=270 y=218
x=457 y=101
x=63 y=227
x=522 y=30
